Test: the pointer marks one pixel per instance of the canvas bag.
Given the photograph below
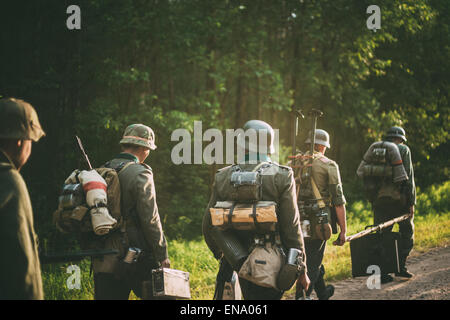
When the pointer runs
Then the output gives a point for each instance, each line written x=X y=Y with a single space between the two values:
x=263 y=265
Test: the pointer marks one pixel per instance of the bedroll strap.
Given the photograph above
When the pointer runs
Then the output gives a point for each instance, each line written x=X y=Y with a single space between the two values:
x=230 y=214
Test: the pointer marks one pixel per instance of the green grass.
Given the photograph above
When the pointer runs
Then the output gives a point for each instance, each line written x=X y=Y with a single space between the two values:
x=194 y=256
x=432 y=229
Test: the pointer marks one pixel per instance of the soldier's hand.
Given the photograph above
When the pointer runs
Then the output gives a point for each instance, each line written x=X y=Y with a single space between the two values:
x=303 y=279
x=340 y=240
x=165 y=263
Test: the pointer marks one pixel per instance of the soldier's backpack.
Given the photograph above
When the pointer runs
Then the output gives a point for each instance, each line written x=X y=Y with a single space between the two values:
x=382 y=171
x=89 y=203
x=245 y=210
x=317 y=212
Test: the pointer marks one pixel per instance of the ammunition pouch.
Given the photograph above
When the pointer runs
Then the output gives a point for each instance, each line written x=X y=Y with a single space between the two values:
x=320 y=219
x=321 y=224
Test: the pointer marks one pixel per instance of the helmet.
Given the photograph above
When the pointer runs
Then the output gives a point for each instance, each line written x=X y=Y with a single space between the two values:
x=139 y=135
x=261 y=128
x=19 y=120
x=396 y=132
x=322 y=138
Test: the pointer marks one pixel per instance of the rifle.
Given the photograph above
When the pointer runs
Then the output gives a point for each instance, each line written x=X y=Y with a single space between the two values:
x=378 y=227
x=314 y=113
x=298 y=113
x=50 y=258
x=83 y=153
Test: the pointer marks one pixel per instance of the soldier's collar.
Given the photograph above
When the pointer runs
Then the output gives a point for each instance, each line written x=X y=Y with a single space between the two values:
x=259 y=157
x=128 y=156
x=6 y=161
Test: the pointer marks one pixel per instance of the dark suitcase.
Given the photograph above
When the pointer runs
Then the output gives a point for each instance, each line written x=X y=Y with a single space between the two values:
x=379 y=249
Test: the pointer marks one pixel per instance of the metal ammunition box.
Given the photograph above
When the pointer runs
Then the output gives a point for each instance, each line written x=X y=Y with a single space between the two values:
x=379 y=249
x=171 y=283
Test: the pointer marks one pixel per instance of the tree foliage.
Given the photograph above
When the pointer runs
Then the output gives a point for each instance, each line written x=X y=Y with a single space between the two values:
x=167 y=63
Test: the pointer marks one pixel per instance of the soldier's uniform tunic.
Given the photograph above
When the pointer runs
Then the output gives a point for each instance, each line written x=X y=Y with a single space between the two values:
x=326 y=175
x=278 y=185
x=386 y=208
x=143 y=226
x=20 y=269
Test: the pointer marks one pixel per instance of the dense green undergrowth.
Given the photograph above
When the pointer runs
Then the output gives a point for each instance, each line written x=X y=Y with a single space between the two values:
x=432 y=229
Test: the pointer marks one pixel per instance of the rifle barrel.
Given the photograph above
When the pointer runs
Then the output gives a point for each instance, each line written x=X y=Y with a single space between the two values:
x=49 y=258
x=378 y=227
x=85 y=156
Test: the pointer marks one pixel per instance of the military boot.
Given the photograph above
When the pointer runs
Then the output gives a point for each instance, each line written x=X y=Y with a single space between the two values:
x=301 y=295
x=404 y=274
x=386 y=278
x=327 y=293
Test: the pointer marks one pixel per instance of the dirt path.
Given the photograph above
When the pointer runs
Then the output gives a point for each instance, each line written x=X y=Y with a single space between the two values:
x=431 y=281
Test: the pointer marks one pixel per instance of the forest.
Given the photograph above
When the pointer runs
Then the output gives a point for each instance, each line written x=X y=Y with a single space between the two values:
x=169 y=63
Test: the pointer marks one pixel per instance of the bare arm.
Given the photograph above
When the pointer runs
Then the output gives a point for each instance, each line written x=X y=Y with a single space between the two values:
x=342 y=222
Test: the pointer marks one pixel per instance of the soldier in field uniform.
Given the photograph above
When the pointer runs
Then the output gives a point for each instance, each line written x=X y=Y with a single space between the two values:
x=326 y=176
x=386 y=208
x=20 y=269
x=277 y=185
x=142 y=225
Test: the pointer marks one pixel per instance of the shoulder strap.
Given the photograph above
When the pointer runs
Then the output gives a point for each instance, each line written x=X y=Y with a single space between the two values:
x=314 y=187
x=120 y=167
x=124 y=166
x=261 y=166
x=317 y=194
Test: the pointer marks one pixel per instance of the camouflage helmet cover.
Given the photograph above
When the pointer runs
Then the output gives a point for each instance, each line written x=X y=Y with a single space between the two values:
x=322 y=138
x=19 y=120
x=139 y=135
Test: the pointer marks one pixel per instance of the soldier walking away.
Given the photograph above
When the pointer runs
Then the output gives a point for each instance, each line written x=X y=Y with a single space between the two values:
x=320 y=193
x=142 y=230
x=277 y=185
x=392 y=200
x=20 y=269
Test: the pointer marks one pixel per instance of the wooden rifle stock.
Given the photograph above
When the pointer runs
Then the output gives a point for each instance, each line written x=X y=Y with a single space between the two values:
x=378 y=227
